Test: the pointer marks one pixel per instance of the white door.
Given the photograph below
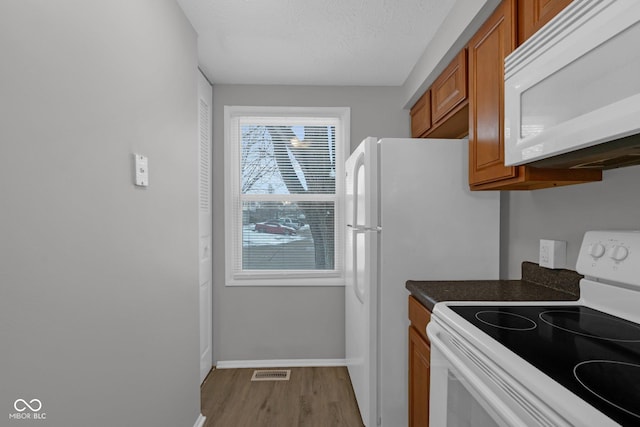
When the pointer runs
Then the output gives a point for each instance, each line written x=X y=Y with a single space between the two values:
x=205 y=96
x=361 y=277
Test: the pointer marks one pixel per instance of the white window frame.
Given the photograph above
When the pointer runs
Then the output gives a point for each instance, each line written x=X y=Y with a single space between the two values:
x=233 y=115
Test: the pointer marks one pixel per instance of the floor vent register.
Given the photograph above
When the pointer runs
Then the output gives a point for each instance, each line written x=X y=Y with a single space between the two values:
x=271 y=375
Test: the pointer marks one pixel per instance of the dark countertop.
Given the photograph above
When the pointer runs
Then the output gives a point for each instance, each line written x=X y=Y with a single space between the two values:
x=537 y=284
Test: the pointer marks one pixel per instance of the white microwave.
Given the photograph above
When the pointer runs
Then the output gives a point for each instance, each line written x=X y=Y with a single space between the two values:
x=572 y=91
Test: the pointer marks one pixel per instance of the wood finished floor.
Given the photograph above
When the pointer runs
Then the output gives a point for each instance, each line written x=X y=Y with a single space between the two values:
x=313 y=397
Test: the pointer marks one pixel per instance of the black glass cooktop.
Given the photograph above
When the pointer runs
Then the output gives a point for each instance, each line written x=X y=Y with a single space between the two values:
x=593 y=354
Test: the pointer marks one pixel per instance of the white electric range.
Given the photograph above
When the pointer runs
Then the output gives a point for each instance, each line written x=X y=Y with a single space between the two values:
x=548 y=363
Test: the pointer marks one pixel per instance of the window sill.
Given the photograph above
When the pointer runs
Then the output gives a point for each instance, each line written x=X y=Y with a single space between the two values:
x=286 y=281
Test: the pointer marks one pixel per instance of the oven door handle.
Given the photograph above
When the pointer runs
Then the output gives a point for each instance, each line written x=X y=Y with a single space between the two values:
x=497 y=409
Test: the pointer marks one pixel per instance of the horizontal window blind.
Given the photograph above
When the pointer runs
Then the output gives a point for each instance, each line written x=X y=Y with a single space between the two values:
x=286 y=210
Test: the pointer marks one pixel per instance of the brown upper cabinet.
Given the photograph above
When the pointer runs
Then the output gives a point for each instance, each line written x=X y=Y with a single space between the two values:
x=487 y=50
x=533 y=14
x=468 y=99
x=486 y=53
x=421 y=116
x=447 y=103
x=450 y=88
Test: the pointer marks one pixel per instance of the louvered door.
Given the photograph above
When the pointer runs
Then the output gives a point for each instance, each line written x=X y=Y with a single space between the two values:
x=205 y=225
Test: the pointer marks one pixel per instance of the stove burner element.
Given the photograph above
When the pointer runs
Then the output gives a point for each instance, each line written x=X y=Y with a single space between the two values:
x=592 y=325
x=617 y=383
x=505 y=320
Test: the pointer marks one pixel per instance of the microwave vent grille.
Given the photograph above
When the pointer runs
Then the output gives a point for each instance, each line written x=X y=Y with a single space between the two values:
x=610 y=155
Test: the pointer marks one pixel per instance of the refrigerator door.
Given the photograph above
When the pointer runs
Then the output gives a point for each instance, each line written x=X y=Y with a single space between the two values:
x=433 y=228
x=361 y=276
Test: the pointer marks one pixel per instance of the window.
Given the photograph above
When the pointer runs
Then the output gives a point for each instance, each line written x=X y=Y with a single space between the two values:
x=284 y=168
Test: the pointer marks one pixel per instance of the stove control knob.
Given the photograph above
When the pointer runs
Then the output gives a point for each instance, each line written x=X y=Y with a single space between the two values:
x=597 y=250
x=618 y=253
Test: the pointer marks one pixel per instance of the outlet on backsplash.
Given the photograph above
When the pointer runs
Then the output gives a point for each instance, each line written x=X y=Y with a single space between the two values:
x=553 y=253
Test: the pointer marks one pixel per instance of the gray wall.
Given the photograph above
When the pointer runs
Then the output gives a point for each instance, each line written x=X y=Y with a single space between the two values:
x=565 y=213
x=288 y=322
x=98 y=279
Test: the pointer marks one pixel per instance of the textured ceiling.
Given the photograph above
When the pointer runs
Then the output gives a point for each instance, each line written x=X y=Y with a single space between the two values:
x=313 y=42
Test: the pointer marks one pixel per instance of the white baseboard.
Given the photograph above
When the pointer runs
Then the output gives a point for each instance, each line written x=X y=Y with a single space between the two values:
x=200 y=421
x=281 y=363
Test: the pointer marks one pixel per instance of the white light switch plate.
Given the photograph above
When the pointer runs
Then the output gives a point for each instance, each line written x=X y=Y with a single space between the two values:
x=142 y=170
x=553 y=253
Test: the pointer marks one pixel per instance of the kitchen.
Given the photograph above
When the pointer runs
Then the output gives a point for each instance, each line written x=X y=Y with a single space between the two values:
x=69 y=197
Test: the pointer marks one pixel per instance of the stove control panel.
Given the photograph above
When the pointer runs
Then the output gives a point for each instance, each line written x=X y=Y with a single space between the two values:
x=611 y=255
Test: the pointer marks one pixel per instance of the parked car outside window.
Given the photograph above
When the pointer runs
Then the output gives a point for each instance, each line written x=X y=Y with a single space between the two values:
x=288 y=222
x=274 y=227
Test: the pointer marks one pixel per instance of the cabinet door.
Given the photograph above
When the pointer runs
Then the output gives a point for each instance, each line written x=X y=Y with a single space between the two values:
x=419 y=379
x=450 y=88
x=419 y=316
x=533 y=14
x=487 y=50
x=421 y=116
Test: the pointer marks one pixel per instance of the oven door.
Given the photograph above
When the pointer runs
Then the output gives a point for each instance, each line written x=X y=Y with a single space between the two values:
x=467 y=389
x=457 y=397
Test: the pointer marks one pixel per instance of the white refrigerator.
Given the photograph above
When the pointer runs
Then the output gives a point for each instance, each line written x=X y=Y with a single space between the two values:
x=409 y=215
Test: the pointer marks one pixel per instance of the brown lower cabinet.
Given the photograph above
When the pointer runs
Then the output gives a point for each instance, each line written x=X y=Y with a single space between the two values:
x=419 y=364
